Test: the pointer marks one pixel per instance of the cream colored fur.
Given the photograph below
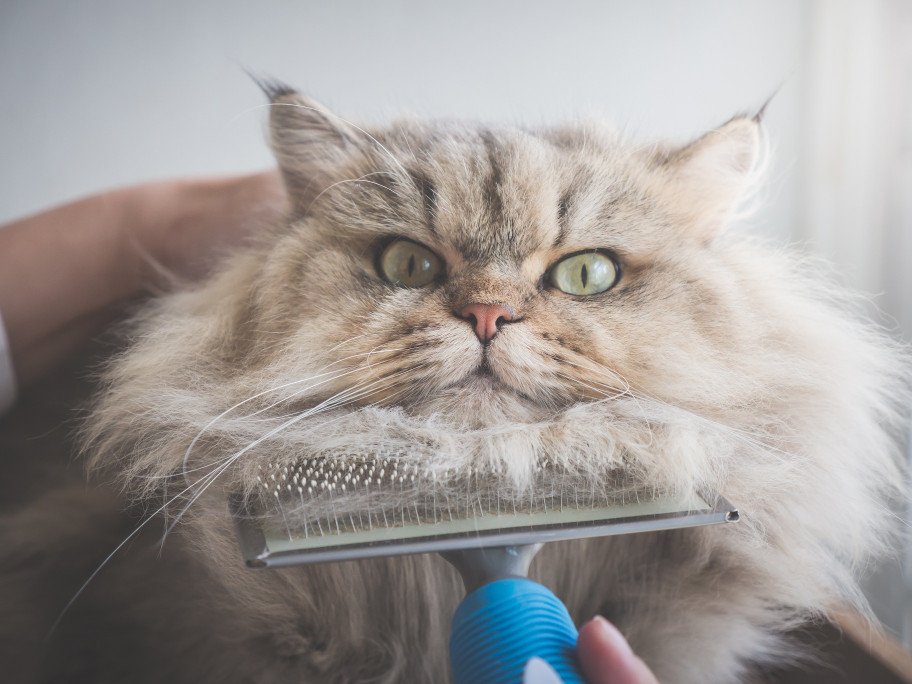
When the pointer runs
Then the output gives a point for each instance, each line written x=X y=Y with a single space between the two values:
x=715 y=363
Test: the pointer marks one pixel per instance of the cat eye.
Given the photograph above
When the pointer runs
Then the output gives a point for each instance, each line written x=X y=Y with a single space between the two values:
x=584 y=273
x=406 y=263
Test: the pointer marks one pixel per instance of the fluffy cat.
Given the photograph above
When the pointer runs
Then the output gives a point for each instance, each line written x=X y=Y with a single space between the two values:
x=709 y=361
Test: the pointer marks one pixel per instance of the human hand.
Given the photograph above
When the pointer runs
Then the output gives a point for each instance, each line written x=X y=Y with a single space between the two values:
x=604 y=656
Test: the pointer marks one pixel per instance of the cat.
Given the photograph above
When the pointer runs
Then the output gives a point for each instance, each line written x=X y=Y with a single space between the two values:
x=483 y=297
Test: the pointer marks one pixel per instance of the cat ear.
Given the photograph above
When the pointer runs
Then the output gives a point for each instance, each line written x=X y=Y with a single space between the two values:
x=308 y=140
x=711 y=176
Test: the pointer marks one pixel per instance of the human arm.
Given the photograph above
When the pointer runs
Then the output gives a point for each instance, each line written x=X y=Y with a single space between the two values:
x=65 y=272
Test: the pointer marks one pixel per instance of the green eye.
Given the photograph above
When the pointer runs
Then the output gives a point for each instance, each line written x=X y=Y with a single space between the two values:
x=586 y=273
x=409 y=264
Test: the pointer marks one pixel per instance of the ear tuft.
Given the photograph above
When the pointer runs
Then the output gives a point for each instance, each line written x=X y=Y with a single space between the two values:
x=761 y=113
x=310 y=142
x=272 y=88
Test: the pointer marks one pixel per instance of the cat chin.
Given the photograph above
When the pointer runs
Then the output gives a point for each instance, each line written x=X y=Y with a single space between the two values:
x=480 y=400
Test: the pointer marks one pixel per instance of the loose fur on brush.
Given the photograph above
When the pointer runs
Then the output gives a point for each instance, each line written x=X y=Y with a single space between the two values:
x=714 y=363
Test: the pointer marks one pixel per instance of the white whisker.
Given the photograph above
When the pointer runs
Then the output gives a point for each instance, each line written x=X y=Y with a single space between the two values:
x=224 y=413
x=338 y=400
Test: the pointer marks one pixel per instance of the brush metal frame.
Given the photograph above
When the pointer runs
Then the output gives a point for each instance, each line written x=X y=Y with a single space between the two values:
x=257 y=554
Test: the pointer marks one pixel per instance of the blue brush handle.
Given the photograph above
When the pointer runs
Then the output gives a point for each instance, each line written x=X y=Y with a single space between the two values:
x=498 y=627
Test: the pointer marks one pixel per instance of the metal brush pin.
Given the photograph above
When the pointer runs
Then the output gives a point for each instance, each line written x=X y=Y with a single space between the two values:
x=489 y=528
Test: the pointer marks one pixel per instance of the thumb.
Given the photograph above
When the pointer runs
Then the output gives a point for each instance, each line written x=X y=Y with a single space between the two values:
x=606 y=658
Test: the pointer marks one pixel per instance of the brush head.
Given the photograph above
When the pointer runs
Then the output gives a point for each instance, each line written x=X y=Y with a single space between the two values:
x=322 y=509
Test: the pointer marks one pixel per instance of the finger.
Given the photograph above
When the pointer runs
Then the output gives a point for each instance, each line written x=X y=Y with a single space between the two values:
x=606 y=658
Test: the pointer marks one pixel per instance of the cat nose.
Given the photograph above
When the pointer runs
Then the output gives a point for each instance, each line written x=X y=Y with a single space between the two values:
x=487 y=319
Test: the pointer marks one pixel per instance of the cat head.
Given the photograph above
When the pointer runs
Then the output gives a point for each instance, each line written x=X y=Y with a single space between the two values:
x=474 y=277
x=486 y=268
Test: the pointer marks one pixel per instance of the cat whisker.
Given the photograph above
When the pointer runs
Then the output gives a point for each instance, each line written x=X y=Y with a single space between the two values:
x=355 y=392
x=224 y=413
x=627 y=387
x=600 y=368
x=342 y=373
x=740 y=434
x=207 y=480
x=344 y=342
x=212 y=422
x=341 y=398
x=185 y=470
x=111 y=555
x=639 y=396
x=344 y=182
x=588 y=385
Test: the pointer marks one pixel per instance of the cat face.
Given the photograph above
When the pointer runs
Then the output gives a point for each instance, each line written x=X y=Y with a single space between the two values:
x=500 y=270
x=466 y=297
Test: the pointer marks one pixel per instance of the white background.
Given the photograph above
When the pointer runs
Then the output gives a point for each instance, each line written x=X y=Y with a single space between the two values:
x=104 y=93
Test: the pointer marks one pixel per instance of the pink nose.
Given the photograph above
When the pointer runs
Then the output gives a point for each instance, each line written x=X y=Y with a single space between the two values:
x=487 y=318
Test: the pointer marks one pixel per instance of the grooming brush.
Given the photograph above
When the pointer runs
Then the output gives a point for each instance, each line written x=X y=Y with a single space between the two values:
x=487 y=526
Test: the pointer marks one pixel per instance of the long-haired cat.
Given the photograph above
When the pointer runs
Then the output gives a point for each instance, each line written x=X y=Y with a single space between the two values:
x=472 y=297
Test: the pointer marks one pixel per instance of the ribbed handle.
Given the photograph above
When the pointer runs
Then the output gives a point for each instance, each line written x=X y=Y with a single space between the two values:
x=499 y=626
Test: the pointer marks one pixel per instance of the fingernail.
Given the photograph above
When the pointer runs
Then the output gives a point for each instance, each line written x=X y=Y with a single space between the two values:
x=537 y=671
x=612 y=635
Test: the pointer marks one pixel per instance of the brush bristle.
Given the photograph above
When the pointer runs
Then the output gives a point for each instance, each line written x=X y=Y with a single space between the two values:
x=320 y=497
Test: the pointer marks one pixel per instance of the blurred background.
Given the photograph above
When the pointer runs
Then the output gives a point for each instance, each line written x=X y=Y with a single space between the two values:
x=101 y=93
